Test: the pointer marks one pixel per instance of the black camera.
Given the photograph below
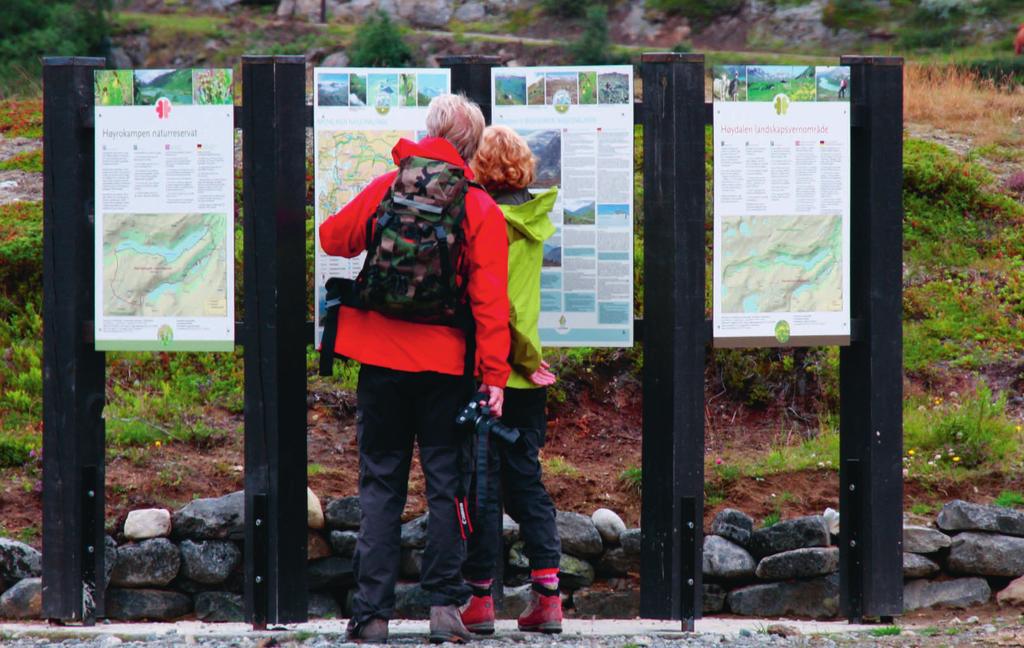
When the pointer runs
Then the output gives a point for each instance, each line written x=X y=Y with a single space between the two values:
x=477 y=415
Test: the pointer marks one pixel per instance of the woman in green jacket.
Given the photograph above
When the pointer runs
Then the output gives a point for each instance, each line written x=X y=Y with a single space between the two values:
x=505 y=166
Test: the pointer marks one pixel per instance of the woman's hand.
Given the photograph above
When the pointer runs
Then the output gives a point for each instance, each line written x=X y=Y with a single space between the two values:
x=543 y=376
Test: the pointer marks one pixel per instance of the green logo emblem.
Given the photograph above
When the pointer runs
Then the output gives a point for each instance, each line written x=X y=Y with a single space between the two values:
x=561 y=101
x=782 y=331
x=165 y=334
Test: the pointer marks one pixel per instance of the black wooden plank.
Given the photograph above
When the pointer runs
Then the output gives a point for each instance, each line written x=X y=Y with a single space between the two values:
x=675 y=330
x=73 y=373
x=871 y=368
x=471 y=75
x=275 y=303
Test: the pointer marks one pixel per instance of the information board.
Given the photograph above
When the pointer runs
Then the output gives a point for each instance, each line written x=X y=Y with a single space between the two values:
x=164 y=210
x=578 y=122
x=782 y=205
x=359 y=115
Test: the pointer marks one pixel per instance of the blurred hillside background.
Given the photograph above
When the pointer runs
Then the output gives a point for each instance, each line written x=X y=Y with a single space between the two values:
x=174 y=421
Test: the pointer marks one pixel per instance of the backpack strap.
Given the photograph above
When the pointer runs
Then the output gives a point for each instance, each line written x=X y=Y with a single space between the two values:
x=340 y=292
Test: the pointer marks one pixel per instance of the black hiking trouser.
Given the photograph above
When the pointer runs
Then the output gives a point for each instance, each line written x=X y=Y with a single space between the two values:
x=515 y=468
x=396 y=409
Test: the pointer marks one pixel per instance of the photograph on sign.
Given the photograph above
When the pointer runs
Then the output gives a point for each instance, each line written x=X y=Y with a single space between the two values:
x=578 y=122
x=359 y=114
x=781 y=205
x=164 y=271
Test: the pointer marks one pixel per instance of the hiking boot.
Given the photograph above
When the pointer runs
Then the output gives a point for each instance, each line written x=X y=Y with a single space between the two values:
x=370 y=631
x=478 y=614
x=446 y=625
x=544 y=614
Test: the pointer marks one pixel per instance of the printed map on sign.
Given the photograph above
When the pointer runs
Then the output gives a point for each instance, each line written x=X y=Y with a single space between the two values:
x=776 y=264
x=347 y=161
x=165 y=265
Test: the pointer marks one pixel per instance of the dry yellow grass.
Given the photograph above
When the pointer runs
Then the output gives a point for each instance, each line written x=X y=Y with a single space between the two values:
x=956 y=100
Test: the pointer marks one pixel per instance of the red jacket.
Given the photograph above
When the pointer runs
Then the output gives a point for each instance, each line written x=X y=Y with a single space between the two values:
x=372 y=338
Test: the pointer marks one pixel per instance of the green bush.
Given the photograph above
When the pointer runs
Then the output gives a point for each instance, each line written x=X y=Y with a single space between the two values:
x=594 y=46
x=379 y=43
x=850 y=14
x=21 y=257
x=700 y=11
x=1002 y=70
x=15 y=450
x=34 y=29
x=567 y=8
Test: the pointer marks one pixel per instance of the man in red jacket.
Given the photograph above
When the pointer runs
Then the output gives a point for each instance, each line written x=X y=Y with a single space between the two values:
x=413 y=382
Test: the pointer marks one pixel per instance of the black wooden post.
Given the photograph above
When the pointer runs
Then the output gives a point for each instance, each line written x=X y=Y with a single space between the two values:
x=675 y=336
x=274 y=186
x=871 y=368
x=73 y=372
x=471 y=75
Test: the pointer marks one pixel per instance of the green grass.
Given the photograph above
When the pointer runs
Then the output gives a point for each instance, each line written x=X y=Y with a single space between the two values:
x=886 y=631
x=560 y=467
x=1009 y=499
x=771 y=519
x=923 y=508
x=314 y=469
x=633 y=479
x=30 y=161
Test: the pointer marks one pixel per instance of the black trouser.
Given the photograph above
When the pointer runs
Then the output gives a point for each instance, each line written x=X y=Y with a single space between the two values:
x=395 y=409
x=516 y=469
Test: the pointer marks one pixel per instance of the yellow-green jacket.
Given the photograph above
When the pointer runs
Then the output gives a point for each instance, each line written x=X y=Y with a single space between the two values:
x=528 y=227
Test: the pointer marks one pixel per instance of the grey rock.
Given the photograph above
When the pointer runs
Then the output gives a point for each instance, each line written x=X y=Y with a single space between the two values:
x=330 y=572
x=119 y=59
x=616 y=562
x=714 y=598
x=608 y=524
x=411 y=563
x=471 y=12
x=735 y=526
x=964 y=516
x=343 y=513
x=984 y=554
x=578 y=534
x=337 y=59
x=517 y=556
x=509 y=529
x=146 y=564
x=924 y=540
x=139 y=604
x=109 y=557
x=724 y=560
x=607 y=605
x=798 y=533
x=219 y=607
x=143 y=524
x=427 y=13
x=630 y=540
x=515 y=601
x=817 y=598
x=210 y=561
x=323 y=606
x=574 y=573
x=215 y=518
x=23 y=601
x=18 y=561
x=956 y=593
x=344 y=543
x=799 y=563
x=411 y=601
x=414 y=532
x=917 y=566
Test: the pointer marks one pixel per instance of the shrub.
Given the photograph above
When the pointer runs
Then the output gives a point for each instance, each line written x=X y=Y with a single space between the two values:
x=594 y=46
x=566 y=8
x=34 y=29
x=379 y=43
x=700 y=11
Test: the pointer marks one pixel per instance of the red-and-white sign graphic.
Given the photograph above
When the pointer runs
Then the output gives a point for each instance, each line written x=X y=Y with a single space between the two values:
x=163 y=108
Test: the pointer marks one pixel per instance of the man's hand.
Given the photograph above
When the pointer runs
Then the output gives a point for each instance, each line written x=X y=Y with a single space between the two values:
x=543 y=376
x=495 y=398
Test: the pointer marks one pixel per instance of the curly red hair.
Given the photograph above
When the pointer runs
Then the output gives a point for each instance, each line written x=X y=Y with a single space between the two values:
x=504 y=161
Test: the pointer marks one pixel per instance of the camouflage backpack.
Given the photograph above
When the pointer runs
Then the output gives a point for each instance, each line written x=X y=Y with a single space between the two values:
x=414 y=254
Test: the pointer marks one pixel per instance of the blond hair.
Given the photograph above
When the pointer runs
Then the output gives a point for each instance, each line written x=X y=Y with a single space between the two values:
x=458 y=120
x=504 y=160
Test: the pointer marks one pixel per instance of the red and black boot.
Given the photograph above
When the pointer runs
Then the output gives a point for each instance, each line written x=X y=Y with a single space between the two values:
x=478 y=614
x=544 y=613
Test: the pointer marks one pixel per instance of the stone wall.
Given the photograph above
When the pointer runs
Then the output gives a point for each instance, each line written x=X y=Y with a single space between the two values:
x=168 y=565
